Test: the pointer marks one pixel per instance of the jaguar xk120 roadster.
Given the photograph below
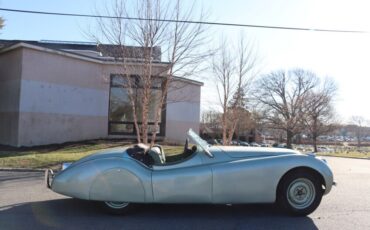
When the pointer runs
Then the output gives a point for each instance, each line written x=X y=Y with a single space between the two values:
x=121 y=177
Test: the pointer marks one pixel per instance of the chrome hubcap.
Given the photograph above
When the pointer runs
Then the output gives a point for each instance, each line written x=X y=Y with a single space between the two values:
x=116 y=205
x=301 y=193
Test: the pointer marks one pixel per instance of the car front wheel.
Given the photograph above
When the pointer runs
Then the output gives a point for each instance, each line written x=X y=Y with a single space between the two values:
x=117 y=207
x=300 y=193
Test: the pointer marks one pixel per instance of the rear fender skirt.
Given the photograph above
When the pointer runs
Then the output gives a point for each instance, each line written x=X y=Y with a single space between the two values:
x=117 y=185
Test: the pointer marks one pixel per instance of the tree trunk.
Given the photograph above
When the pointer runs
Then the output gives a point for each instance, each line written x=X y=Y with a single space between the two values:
x=314 y=142
x=144 y=118
x=230 y=136
x=224 y=129
x=232 y=129
x=358 y=141
x=314 y=135
x=132 y=98
x=289 y=137
x=156 y=122
x=359 y=135
x=165 y=87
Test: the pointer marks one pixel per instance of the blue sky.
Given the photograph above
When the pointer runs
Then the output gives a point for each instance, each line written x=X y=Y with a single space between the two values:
x=344 y=57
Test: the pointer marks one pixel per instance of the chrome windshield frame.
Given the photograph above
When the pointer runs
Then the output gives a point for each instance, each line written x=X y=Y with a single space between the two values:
x=199 y=142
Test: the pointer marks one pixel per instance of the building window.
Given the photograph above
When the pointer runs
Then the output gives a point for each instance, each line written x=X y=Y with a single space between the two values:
x=121 y=120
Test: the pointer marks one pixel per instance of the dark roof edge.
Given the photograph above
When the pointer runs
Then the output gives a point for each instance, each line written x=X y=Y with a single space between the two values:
x=66 y=53
x=187 y=80
x=61 y=43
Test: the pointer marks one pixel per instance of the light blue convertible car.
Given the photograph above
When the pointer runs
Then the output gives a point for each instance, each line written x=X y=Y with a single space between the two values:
x=121 y=177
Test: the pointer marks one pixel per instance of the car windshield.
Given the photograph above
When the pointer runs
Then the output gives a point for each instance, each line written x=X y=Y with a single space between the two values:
x=199 y=141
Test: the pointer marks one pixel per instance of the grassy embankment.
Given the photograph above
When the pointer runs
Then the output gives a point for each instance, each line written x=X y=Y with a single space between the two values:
x=52 y=156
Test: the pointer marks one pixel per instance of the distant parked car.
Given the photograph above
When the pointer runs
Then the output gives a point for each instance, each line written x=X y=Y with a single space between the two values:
x=282 y=145
x=324 y=149
x=243 y=143
x=212 y=142
x=254 y=144
x=279 y=145
x=234 y=142
x=265 y=145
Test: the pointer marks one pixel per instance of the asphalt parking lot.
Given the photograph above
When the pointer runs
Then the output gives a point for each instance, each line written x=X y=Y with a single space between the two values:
x=25 y=203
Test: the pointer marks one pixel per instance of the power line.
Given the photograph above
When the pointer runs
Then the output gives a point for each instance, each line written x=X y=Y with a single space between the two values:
x=183 y=21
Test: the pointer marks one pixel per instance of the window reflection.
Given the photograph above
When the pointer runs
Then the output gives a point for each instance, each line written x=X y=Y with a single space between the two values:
x=121 y=119
x=120 y=107
x=154 y=101
x=122 y=128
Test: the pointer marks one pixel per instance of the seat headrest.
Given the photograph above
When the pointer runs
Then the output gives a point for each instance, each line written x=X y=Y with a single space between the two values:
x=156 y=149
x=157 y=155
x=142 y=146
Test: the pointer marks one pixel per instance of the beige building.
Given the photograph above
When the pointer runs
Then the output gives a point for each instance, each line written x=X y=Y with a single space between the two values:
x=55 y=92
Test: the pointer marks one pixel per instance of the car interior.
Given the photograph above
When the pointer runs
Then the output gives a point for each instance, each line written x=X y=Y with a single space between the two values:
x=156 y=156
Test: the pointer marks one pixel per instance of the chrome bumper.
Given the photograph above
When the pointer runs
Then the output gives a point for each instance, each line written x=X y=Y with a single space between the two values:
x=49 y=176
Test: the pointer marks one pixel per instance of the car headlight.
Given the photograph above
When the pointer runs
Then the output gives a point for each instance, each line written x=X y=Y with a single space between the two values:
x=322 y=159
x=66 y=165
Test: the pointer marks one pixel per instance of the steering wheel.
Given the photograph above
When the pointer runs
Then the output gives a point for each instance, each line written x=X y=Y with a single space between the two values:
x=186 y=146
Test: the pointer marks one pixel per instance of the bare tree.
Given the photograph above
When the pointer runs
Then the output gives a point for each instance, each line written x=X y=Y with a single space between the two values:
x=245 y=123
x=212 y=119
x=234 y=70
x=184 y=48
x=281 y=96
x=223 y=70
x=211 y=123
x=181 y=42
x=319 y=117
x=359 y=123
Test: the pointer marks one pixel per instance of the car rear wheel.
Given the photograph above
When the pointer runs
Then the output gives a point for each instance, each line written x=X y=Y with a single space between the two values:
x=300 y=193
x=114 y=207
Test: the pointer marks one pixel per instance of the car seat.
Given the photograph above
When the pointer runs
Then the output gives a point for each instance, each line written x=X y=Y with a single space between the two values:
x=156 y=152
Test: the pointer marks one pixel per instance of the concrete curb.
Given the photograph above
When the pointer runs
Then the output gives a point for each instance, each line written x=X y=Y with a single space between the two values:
x=21 y=170
x=357 y=158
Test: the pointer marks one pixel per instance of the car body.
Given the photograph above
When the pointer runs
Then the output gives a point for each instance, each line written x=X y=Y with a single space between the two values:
x=207 y=174
x=234 y=142
x=324 y=149
x=212 y=142
x=254 y=144
x=281 y=145
x=243 y=143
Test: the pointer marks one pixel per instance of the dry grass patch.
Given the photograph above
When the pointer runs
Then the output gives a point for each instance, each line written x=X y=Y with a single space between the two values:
x=51 y=156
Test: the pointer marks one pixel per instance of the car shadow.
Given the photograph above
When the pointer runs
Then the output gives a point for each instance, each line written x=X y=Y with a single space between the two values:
x=78 y=214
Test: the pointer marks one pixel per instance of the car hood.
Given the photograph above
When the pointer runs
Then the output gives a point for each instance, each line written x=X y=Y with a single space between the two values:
x=247 y=152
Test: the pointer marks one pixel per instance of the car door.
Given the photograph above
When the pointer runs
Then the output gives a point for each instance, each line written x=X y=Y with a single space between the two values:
x=185 y=182
x=245 y=181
